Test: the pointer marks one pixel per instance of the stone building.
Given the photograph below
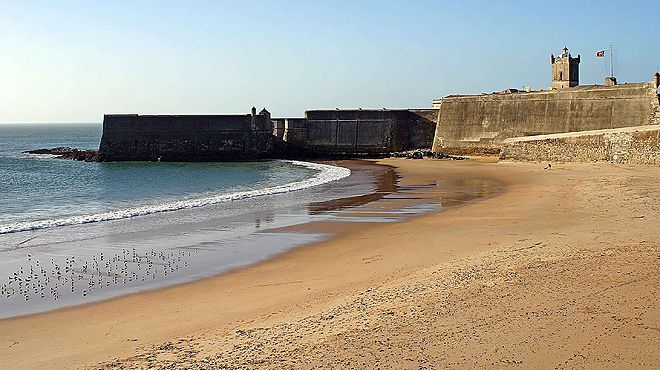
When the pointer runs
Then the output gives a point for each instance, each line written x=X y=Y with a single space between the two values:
x=565 y=70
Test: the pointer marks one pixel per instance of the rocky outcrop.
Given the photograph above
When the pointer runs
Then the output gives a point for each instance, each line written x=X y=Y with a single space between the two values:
x=69 y=153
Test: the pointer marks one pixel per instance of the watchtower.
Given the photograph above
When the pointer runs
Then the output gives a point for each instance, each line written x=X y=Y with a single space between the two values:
x=565 y=70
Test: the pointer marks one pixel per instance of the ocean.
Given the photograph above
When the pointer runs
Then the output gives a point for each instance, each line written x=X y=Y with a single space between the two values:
x=41 y=191
x=73 y=232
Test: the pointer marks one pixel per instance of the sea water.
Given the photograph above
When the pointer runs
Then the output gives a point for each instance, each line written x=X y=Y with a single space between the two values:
x=42 y=191
x=73 y=232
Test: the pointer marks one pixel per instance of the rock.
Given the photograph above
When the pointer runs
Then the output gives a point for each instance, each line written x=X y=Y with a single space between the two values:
x=413 y=154
x=69 y=153
x=446 y=156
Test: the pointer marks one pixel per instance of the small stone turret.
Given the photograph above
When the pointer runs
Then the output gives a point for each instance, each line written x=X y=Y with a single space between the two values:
x=261 y=121
x=610 y=81
x=266 y=113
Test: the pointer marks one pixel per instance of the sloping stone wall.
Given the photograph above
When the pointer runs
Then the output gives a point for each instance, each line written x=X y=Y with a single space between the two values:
x=638 y=145
x=480 y=123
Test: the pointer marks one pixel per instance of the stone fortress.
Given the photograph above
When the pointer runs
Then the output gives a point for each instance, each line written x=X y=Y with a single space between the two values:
x=320 y=133
x=568 y=122
x=519 y=125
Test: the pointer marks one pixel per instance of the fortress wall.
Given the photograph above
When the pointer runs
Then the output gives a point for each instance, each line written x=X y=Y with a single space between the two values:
x=294 y=130
x=480 y=124
x=279 y=127
x=185 y=137
x=131 y=137
x=348 y=132
x=638 y=145
x=345 y=136
x=421 y=129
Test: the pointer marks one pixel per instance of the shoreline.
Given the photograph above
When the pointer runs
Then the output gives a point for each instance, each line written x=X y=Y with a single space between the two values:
x=325 y=174
x=328 y=221
x=204 y=241
x=270 y=311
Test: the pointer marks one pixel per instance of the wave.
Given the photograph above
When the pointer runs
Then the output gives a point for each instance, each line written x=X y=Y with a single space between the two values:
x=40 y=156
x=327 y=173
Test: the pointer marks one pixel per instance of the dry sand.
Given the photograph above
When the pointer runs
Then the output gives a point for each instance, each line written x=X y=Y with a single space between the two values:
x=560 y=270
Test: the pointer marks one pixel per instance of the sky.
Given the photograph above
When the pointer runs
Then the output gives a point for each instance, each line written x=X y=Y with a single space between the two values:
x=73 y=61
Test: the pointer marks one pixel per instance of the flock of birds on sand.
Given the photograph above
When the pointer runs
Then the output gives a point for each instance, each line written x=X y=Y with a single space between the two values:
x=50 y=280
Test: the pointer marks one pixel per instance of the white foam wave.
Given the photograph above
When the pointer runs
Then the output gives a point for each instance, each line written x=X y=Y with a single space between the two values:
x=42 y=156
x=327 y=173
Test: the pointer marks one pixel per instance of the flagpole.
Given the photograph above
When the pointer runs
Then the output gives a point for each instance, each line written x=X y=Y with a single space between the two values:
x=611 y=65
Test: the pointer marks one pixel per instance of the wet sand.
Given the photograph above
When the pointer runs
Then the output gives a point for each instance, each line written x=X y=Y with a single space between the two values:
x=553 y=268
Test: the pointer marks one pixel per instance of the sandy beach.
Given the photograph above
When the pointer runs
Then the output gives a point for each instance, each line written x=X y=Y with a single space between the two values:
x=549 y=269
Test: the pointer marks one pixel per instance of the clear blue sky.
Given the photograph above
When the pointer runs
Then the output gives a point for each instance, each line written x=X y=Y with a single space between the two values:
x=73 y=61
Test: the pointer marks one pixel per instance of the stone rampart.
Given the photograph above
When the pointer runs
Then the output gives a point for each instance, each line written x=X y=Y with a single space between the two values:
x=278 y=127
x=422 y=128
x=360 y=132
x=638 y=145
x=132 y=137
x=481 y=123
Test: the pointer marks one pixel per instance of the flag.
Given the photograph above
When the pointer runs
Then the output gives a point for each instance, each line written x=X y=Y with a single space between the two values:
x=600 y=54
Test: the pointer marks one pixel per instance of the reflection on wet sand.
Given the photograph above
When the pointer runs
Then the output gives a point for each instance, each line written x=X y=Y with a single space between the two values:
x=386 y=183
x=393 y=201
